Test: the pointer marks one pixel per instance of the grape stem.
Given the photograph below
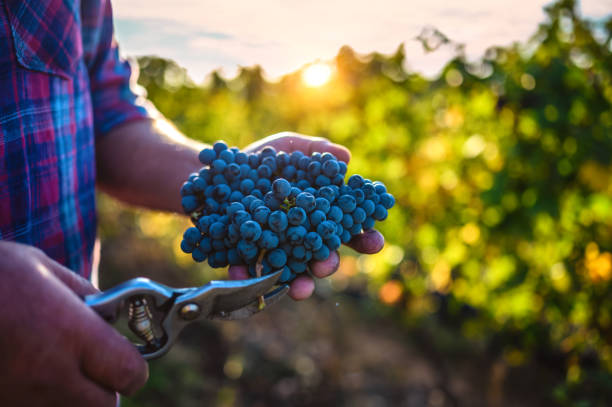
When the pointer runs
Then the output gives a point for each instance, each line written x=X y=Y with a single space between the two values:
x=258 y=269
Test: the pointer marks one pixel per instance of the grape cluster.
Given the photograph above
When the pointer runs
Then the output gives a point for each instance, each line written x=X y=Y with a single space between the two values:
x=275 y=209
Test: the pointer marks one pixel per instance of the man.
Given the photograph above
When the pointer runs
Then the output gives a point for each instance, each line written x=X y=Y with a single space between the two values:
x=67 y=113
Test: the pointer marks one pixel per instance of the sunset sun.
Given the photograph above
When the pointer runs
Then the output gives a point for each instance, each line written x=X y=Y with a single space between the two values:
x=316 y=75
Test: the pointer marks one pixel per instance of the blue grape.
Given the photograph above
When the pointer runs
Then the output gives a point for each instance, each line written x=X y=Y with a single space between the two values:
x=295 y=157
x=335 y=214
x=189 y=203
x=186 y=246
x=241 y=158
x=355 y=229
x=299 y=252
x=306 y=201
x=205 y=174
x=198 y=255
x=380 y=213
x=277 y=258
x=233 y=257
x=281 y=188
x=271 y=201
x=322 y=181
x=263 y=171
x=297 y=266
x=268 y=151
x=295 y=234
x=358 y=195
x=333 y=243
x=368 y=223
x=303 y=163
x=250 y=231
x=270 y=162
x=387 y=200
x=369 y=191
x=346 y=236
x=368 y=206
x=347 y=220
x=253 y=160
x=221 y=192
x=239 y=217
x=282 y=159
x=314 y=168
x=263 y=185
x=313 y=241
x=269 y=240
x=317 y=217
x=286 y=275
x=321 y=254
x=233 y=233
x=347 y=203
x=246 y=186
x=207 y=156
x=219 y=146
x=326 y=229
x=211 y=205
x=218 y=179
x=380 y=188
x=247 y=250
x=217 y=244
x=232 y=171
x=355 y=181
x=257 y=193
x=277 y=221
x=359 y=215
x=192 y=235
x=227 y=156
x=256 y=203
x=217 y=230
x=205 y=245
x=342 y=167
x=327 y=193
x=236 y=196
x=187 y=188
x=289 y=172
x=260 y=215
x=296 y=216
x=330 y=168
x=218 y=166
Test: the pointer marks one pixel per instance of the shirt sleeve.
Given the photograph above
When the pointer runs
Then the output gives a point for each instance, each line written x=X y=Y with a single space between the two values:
x=116 y=98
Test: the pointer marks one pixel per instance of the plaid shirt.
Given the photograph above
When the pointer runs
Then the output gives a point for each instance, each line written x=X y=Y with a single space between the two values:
x=62 y=85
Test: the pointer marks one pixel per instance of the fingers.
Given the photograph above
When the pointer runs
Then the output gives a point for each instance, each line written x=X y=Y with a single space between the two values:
x=87 y=393
x=368 y=242
x=238 y=273
x=301 y=288
x=111 y=360
x=76 y=283
x=325 y=268
x=289 y=142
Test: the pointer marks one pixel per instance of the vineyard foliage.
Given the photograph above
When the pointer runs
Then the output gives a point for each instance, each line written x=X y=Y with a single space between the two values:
x=501 y=169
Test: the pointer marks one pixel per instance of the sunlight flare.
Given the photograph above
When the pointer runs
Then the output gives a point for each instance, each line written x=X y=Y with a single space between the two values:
x=316 y=75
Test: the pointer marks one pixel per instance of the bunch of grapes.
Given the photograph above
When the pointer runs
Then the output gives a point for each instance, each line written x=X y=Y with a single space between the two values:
x=275 y=211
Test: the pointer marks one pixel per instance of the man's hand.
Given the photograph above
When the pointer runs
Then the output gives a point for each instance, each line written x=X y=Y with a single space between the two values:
x=54 y=350
x=164 y=160
x=368 y=242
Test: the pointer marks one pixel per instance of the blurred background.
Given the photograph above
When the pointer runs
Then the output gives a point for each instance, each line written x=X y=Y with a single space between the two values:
x=494 y=286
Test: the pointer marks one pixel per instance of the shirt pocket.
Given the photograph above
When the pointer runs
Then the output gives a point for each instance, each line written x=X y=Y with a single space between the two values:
x=46 y=35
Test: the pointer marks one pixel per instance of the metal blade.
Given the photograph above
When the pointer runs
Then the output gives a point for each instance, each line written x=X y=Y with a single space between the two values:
x=253 y=307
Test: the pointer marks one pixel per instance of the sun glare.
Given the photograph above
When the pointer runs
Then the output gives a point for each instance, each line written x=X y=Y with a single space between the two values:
x=316 y=75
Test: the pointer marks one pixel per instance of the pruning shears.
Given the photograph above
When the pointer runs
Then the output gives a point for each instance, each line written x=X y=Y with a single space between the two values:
x=156 y=313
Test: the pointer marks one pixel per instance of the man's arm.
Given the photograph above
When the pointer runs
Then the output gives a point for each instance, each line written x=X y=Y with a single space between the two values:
x=145 y=163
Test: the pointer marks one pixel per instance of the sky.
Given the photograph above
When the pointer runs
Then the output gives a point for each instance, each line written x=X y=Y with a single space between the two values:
x=284 y=35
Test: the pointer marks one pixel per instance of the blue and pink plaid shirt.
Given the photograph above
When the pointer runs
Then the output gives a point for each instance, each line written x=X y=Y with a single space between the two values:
x=62 y=86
